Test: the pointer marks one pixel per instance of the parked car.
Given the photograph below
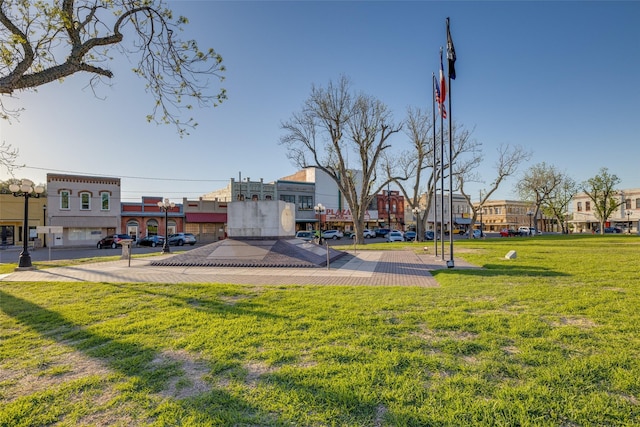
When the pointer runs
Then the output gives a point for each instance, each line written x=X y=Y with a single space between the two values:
x=152 y=241
x=307 y=236
x=429 y=235
x=614 y=230
x=381 y=232
x=526 y=231
x=394 y=236
x=182 y=238
x=368 y=234
x=475 y=234
x=112 y=241
x=410 y=235
x=509 y=232
x=332 y=234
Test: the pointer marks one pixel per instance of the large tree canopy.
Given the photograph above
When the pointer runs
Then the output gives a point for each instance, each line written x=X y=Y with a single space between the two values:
x=44 y=41
x=601 y=189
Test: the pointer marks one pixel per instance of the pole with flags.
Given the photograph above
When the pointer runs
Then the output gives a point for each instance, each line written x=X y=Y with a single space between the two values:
x=441 y=91
x=435 y=98
x=451 y=60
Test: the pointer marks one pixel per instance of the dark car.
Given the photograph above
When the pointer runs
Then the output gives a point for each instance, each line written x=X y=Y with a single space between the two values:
x=410 y=235
x=614 y=230
x=429 y=235
x=381 y=232
x=112 y=241
x=152 y=241
x=182 y=238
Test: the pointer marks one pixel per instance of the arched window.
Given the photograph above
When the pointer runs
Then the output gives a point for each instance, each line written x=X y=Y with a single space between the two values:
x=152 y=227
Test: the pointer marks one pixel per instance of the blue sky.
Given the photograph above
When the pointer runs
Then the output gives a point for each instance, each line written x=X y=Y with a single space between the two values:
x=559 y=78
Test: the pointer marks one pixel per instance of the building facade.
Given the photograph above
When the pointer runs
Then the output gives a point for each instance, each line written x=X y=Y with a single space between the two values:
x=86 y=207
x=12 y=219
x=206 y=219
x=625 y=217
x=147 y=219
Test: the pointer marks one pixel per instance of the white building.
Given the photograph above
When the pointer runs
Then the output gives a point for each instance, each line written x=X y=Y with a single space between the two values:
x=625 y=217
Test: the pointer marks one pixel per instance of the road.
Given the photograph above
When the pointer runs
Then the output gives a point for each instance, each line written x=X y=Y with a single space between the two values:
x=11 y=255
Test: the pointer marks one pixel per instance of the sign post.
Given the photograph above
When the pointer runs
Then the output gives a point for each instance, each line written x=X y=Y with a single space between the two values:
x=49 y=229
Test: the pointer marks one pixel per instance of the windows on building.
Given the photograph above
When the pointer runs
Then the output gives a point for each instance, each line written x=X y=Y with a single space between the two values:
x=579 y=206
x=305 y=202
x=627 y=204
x=64 y=199
x=105 y=199
x=638 y=203
x=85 y=201
x=289 y=198
x=587 y=206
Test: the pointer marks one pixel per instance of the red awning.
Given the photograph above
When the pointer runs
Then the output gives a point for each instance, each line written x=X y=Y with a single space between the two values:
x=206 y=217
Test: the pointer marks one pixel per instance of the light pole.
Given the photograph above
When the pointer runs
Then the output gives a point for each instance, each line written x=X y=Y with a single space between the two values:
x=27 y=190
x=44 y=222
x=165 y=206
x=319 y=210
x=530 y=214
x=416 y=212
x=629 y=221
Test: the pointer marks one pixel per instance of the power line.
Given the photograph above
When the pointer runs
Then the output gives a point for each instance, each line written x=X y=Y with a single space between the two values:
x=124 y=176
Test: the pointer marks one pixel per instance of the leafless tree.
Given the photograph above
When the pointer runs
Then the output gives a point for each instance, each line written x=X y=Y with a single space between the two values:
x=416 y=165
x=335 y=123
x=8 y=157
x=537 y=184
x=506 y=165
x=42 y=42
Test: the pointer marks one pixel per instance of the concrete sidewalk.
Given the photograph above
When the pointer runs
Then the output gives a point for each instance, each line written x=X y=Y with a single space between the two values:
x=362 y=268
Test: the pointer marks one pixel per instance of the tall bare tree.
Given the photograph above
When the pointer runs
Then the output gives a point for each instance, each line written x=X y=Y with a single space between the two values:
x=416 y=165
x=42 y=42
x=537 y=184
x=334 y=123
x=506 y=165
x=601 y=189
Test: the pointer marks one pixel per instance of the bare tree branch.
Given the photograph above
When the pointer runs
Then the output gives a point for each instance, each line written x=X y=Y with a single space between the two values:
x=42 y=42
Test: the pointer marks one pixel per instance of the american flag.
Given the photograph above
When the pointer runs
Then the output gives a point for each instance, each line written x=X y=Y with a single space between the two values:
x=443 y=111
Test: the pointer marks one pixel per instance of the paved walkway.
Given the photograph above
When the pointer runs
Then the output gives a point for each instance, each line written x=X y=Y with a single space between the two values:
x=364 y=268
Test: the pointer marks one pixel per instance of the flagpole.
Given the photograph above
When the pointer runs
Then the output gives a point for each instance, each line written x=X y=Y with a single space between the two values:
x=451 y=72
x=442 y=181
x=435 y=170
x=450 y=264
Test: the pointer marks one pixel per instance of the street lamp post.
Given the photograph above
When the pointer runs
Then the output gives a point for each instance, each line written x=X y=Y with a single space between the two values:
x=44 y=222
x=27 y=190
x=530 y=214
x=319 y=210
x=416 y=213
x=165 y=206
x=629 y=221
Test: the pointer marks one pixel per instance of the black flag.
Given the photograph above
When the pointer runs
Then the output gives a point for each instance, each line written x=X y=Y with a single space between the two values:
x=451 y=54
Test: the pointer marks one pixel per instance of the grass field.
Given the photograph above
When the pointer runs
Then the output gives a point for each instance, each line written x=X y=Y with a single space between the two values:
x=551 y=338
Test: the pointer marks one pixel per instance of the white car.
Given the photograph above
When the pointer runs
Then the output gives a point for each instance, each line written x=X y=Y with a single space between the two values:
x=394 y=236
x=368 y=234
x=332 y=234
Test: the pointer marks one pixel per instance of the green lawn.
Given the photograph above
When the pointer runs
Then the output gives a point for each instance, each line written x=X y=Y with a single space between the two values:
x=551 y=338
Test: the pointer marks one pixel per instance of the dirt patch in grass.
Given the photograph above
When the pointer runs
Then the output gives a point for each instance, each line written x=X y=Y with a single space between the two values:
x=51 y=374
x=191 y=383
